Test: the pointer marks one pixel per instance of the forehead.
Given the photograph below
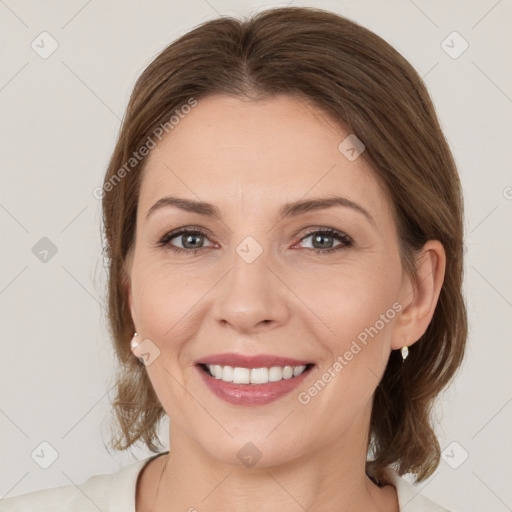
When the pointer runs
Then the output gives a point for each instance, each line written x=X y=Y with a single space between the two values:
x=242 y=154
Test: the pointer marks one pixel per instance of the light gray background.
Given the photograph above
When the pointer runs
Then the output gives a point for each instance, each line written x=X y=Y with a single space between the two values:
x=59 y=120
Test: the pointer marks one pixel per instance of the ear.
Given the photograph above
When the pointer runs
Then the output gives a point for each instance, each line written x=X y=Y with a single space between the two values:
x=419 y=296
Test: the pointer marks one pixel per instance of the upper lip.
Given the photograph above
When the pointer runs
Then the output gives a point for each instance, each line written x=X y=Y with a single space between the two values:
x=248 y=361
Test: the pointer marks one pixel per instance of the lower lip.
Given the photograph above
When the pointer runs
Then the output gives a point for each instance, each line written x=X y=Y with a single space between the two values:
x=251 y=394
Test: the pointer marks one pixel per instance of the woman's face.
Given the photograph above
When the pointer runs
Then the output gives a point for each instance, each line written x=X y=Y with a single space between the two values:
x=260 y=280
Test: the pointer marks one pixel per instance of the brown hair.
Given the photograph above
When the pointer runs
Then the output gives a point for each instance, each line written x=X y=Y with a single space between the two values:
x=365 y=85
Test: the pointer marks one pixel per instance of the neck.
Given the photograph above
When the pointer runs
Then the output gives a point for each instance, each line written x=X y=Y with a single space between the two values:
x=332 y=478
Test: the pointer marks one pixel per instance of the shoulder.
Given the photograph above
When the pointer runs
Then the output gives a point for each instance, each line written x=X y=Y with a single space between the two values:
x=409 y=499
x=89 y=496
x=57 y=499
x=106 y=492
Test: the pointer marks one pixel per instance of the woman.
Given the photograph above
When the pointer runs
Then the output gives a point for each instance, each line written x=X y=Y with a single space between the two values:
x=283 y=221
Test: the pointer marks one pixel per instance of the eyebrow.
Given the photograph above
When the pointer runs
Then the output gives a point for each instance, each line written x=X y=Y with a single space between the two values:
x=291 y=209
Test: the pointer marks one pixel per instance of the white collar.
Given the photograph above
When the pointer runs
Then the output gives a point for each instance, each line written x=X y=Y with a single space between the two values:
x=409 y=498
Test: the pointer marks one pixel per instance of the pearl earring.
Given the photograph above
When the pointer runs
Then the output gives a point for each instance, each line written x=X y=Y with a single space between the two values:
x=405 y=352
x=134 y=343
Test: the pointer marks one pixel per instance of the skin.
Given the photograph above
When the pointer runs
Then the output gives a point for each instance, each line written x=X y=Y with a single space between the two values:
x=248 y=158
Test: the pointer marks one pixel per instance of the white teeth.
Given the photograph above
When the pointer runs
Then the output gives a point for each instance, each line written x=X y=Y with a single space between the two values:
x=297 y=370
x=275 y=373
x=259 y=375
x=287 y=372
x=227 y=374
x=239 y=375
x=217 y=371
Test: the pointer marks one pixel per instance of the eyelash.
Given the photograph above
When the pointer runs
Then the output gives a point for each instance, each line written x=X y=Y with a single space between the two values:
x=342 y=237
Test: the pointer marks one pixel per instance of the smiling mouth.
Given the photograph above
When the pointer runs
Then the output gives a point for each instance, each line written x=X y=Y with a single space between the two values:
x=264 y=375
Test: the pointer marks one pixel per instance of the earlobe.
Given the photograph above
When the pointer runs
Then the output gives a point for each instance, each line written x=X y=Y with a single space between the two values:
x=420 y=295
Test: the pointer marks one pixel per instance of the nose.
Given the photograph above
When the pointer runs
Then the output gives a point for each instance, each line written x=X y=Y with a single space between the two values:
x=251 y=298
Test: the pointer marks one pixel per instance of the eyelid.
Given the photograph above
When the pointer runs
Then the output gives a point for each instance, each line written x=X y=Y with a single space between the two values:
x=168 y=235
x=324 y=229
x=345 y=239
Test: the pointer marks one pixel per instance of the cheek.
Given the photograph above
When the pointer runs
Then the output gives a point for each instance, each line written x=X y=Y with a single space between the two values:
x=359 y=310
x=357 y=306
x=350 y=298
x=164 y=298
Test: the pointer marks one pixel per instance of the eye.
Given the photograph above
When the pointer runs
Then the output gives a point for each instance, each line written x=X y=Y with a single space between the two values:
x=191 y=240
x=322 y=240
